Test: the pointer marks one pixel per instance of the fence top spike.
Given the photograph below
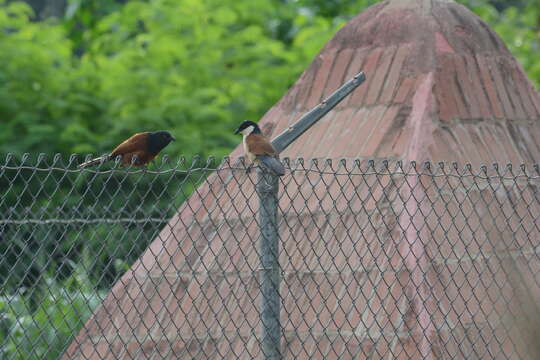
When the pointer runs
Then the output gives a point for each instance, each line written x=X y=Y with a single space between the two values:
x=9 y=156
x=57 y=158
x=73 y=158
x=165 y=159
x=510 y=169
x=209 y=162
x=41 y=157
x=226 y=161
x=181 y=162
x=26 y=157
x=287 y=161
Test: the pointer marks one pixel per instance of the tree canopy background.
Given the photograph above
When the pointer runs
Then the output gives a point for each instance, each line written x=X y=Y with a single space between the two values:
x=79 y=76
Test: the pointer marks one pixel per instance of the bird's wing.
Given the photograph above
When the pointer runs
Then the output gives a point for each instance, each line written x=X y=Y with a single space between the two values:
x=136 y=143
x=137 y=158
x=258 y=144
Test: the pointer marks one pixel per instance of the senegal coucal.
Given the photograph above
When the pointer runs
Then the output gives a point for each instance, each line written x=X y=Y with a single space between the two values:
x=143 y=146
x=258 y=148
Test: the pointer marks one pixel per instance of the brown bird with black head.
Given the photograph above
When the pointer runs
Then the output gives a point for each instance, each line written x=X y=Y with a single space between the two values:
x=258 y=148
x=140 y=149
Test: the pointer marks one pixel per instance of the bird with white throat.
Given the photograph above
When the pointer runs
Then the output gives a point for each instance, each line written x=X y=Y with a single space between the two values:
x=258 y=148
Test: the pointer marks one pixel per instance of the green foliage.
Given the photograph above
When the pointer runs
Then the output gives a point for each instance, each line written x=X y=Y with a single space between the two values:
x=39 y=325
x=192 y=67
x=34 y=61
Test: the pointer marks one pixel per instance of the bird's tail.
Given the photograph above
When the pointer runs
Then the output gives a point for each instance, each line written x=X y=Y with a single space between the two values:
x=273 y=164
x=95 y=161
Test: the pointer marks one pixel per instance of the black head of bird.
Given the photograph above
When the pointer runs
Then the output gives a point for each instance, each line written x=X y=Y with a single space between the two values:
x=157 y=140
x=258 y=148
x=248 y=127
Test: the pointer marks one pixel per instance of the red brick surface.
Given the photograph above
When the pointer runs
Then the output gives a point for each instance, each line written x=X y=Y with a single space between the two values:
x=489 y=86
x=473 y=73
x=405 y=89
x=340 y=66
x=444 y=92
x=471 y=97
x=355 y=66
x=379 y=76
x=325 y=62
x=368 y=67
x=500 y=87
x=535 y=97
x=523 y=91
x=511 y=87
x=394 y=74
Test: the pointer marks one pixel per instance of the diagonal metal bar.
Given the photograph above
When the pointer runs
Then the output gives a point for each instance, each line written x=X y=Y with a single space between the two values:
x=305 y=122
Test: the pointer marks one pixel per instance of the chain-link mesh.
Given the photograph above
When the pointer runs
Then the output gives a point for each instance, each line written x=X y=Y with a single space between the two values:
x=377 y=260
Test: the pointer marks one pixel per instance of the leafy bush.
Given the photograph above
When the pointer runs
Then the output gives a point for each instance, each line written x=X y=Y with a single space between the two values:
x=192 y=67
x=38 y=325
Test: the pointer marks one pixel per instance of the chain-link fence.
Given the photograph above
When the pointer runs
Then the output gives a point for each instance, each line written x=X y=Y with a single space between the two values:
x=377 y=260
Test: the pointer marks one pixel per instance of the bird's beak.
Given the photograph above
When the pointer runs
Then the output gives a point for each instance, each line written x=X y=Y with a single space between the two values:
x=173 y=138
x=237 y=131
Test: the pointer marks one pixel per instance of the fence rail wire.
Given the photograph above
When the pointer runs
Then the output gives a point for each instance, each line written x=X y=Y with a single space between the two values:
x=378 y=258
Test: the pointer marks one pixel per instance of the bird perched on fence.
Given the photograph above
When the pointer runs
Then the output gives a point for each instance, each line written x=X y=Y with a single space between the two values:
x=258 y=148
x=141 y=148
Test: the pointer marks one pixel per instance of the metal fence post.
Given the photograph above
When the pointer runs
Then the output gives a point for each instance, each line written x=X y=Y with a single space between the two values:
x=267 y=190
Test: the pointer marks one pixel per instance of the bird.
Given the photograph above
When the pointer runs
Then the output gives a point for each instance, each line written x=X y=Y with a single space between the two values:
x=140 y=149
x=258 y=148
